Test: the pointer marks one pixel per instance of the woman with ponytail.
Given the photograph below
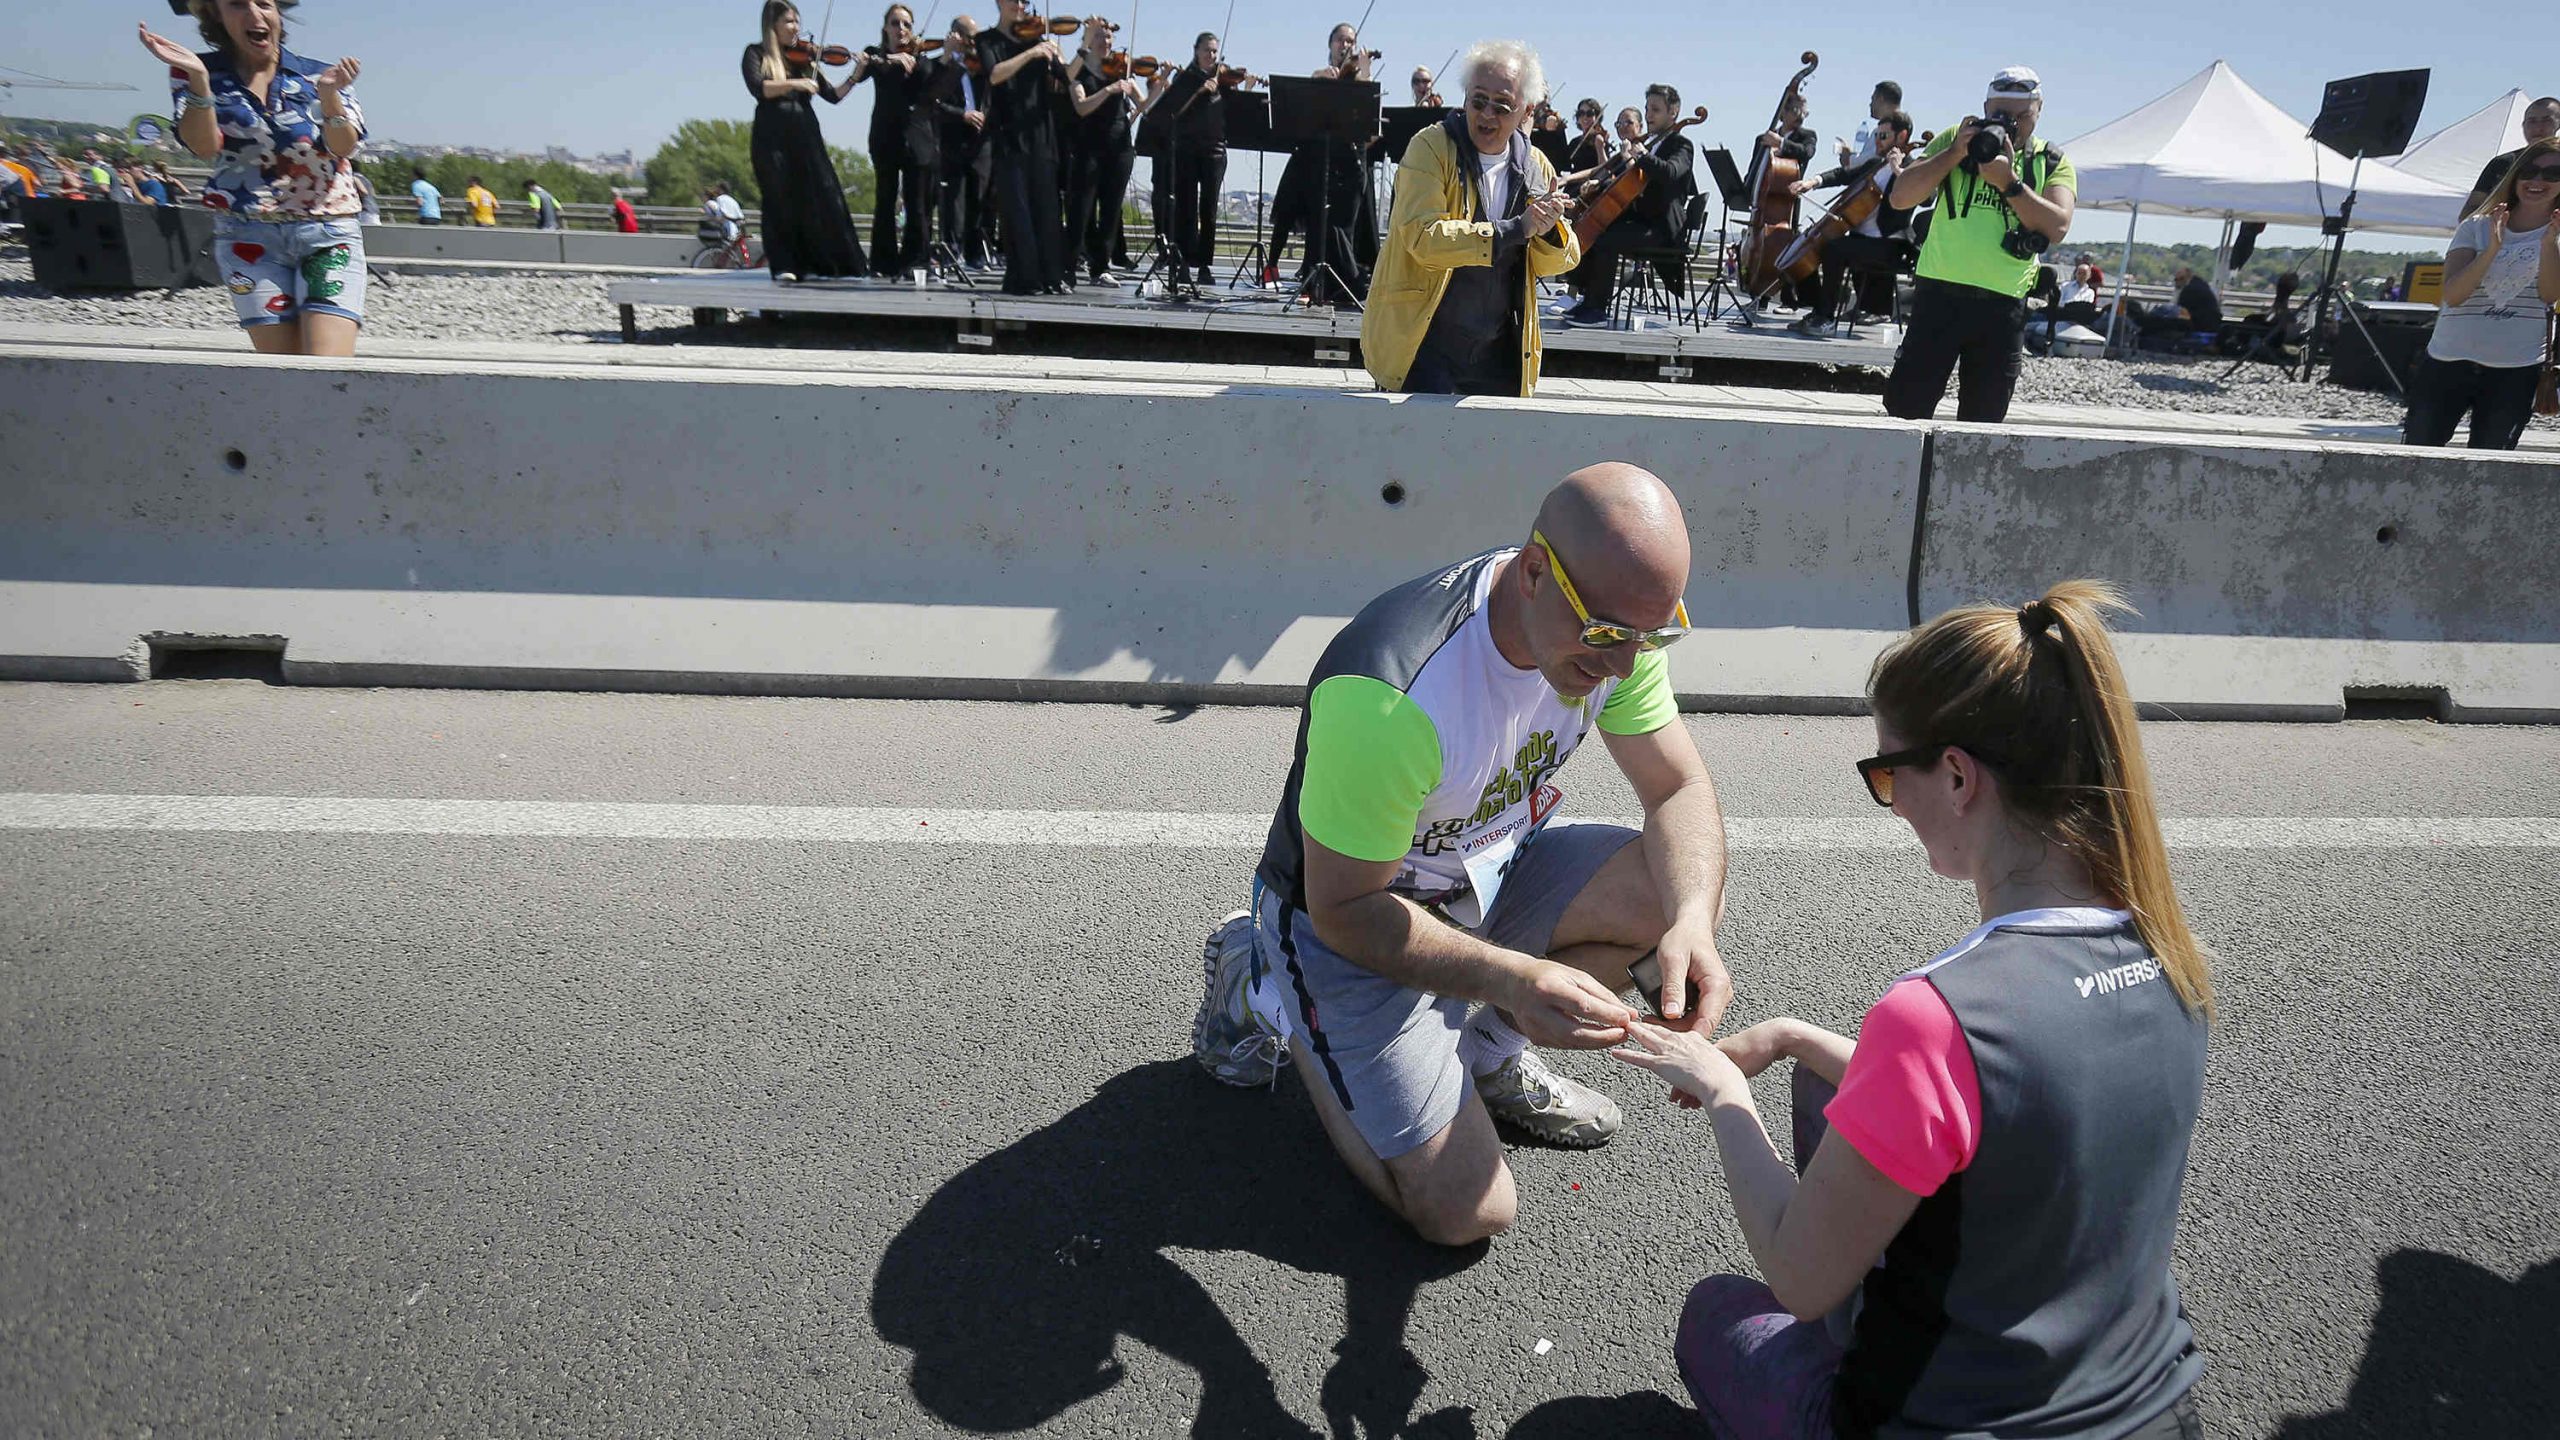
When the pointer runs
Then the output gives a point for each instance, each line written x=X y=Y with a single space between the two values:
x=1979 y=1241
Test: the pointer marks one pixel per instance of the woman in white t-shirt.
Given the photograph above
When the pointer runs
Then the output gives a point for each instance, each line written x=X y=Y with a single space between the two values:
x=2493 y=333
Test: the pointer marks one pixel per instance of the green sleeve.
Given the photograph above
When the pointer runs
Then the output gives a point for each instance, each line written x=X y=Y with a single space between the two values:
x=1373 y=757
x=1641 y=703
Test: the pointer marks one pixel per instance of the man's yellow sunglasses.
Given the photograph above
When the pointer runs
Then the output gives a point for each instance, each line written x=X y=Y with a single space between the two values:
x=1608 y=634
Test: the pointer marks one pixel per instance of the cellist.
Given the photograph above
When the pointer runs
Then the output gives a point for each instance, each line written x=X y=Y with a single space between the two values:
x=1650 y=221
x=1875 y=243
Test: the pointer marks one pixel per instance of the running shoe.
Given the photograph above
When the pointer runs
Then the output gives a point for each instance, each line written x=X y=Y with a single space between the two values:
x=1534 y=1100
x=1816 y=326
x=1231 y=1037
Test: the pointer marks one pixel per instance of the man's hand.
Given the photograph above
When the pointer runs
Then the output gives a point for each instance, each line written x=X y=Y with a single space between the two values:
x=977 y=119
x=1801 y=187
x=1546 y=211
x=172 y=54
x=1560 y=1006
x=1772 y=139
x=1687 y=953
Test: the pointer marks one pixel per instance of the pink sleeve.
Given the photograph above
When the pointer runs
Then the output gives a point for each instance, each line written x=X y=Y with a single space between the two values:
x=1911 y=1103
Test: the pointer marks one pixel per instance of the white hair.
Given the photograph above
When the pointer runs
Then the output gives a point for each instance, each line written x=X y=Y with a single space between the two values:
x=1513 y=57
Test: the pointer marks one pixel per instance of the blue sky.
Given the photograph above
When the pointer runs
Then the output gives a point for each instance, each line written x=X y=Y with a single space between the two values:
x=601 y=75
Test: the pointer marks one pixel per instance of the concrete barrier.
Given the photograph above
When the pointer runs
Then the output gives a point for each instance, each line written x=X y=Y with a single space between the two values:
x=408 y=521
x=468 y=242
x=2276 y=577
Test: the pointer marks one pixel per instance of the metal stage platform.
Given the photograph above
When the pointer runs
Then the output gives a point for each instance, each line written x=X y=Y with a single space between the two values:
x=1328 y=337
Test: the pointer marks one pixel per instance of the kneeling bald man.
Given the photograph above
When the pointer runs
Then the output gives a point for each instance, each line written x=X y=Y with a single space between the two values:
x=1420 y=917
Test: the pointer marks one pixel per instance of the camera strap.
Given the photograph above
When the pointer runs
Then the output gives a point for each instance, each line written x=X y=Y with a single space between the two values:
x=2034 y=174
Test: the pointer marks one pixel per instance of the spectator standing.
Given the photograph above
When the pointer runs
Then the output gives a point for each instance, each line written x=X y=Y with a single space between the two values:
x=172 y=185
x=625 y=219
x=29 y=185
x=101 y=177
x=430 y=199
x=2493 y=327
x=546 y=210
x=484 y=204
x=283 y=132
x=1994 y=217
x=145 y=186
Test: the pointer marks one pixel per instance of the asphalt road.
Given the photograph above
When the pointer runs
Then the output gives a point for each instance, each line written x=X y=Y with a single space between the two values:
x=443 y=1132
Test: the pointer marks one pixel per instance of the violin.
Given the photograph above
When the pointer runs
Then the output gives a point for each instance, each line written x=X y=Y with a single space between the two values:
x=911 y=47
x=1031 y=29
x=1773 y=204
x=1120 y=65
x=1231 y=76
x=1623 y=180
x=805 y=51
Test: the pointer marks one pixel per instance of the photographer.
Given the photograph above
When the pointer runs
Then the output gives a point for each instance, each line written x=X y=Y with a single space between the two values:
x=2004 y=197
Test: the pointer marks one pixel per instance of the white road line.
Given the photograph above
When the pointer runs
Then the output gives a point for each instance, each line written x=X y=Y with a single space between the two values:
x=1110 y=829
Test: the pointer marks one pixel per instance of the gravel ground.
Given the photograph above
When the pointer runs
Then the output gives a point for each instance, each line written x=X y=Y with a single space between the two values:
x=572 y=309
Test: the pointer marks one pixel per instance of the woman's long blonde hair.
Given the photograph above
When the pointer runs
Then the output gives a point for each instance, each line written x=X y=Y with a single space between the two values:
x=775 y=67
x=2036 y=692
x=2504 y=192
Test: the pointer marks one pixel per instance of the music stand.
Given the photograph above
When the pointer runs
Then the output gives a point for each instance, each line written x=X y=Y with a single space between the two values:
x=1249 y=128
x=1325 y=113
x=1160 y=140
x=1733 y=195
x=1398 y=124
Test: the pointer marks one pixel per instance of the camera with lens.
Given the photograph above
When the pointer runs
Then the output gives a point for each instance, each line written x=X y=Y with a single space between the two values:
x=1987 y=146
x=2024 y=243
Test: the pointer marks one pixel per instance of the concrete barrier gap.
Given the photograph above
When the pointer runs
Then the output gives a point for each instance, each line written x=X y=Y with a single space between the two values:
x=497 y=524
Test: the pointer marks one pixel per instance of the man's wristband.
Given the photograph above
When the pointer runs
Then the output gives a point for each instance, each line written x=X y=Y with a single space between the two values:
x=2014 y=189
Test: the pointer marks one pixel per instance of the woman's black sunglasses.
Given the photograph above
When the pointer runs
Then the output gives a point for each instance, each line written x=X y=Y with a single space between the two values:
x=1877 y=770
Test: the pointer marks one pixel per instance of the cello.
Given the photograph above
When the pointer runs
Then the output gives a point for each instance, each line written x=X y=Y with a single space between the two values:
x=1802 y=259
x=1773 y=206
x=1618 y=190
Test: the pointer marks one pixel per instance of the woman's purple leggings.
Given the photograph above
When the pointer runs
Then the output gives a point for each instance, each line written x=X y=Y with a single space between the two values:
x=1754 y=1371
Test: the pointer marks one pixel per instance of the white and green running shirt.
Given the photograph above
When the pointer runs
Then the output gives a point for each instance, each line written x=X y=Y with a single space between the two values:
x=1420 y=742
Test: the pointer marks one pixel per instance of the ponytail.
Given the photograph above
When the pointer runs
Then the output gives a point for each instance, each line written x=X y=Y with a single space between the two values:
x=2040 y=687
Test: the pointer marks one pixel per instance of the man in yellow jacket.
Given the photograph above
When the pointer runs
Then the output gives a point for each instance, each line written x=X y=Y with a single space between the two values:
x=1453 y=308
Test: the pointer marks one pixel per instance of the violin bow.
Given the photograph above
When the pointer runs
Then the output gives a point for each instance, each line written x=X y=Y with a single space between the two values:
x=1444 y=69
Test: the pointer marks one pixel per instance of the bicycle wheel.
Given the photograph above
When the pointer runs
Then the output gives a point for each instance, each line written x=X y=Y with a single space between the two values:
x=711 y=257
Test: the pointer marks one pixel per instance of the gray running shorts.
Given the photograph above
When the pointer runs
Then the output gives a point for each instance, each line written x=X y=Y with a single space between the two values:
x=1390 y=1053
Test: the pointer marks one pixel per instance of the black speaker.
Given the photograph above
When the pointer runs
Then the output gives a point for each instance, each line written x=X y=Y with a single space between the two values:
x=102 y=245
x=2371 y=114
x=2357 y=365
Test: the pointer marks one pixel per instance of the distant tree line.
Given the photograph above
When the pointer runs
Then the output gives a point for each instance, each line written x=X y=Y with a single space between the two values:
x=702 y=151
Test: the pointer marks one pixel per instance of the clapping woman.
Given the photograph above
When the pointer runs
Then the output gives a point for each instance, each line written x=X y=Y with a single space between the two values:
x=1979 y=1242
x=282 y=132
x=808 y=231
x=2493 y=335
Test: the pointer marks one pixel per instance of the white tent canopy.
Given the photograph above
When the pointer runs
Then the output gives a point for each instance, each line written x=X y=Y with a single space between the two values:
x=2217 y=149
x=2455 y=154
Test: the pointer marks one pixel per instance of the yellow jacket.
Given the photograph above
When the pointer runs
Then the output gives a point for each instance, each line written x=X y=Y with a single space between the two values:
x=1432 y=230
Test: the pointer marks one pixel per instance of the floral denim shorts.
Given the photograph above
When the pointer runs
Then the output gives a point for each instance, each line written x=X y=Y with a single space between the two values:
x=281 y=270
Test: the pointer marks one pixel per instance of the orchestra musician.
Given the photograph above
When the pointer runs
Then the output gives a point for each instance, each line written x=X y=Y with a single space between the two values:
x=1189 y=146
x=1477 y=220
x=959 y=96
x=1792 y=138
x=1352 y=246
x=1591 y=145
x=1420 y=80
x=1546 y=131
x=1876 y=243
x=1105 y=151
x=808 y=231
x=1651 y=220
x=1022 y=133
x=905 y=150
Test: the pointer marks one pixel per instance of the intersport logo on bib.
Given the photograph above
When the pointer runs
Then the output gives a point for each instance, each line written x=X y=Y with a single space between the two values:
x=2122 y=977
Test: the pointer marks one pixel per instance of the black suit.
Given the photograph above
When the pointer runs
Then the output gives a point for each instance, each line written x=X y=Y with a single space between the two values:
x=1650 y=222
x=967 y=168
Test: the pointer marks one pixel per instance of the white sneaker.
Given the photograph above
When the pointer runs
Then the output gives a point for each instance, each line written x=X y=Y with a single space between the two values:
x=1241 y=1034
x=1525 y=1095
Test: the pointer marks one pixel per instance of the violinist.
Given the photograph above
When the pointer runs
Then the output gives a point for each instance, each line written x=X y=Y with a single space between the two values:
x=959 y=98
x=1651 y=221
x=905 y=148
x=1420 y=80
x=1477 y=221
x=1353 y=244
x=1875 y=244
x=808 y=232
x=1022 y=134
x=1547 y=132
x=1192 y=163
x=1107 y=105
x=1591 y=142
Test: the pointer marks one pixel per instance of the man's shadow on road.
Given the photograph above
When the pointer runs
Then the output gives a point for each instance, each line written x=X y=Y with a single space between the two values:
x=2456 y=1351
x=1016 y=1281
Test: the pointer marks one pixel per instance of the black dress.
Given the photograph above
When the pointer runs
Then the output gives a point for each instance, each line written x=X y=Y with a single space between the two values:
x=807 y=229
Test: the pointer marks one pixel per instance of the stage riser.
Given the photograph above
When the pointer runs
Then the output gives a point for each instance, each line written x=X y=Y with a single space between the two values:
x=524 y=524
